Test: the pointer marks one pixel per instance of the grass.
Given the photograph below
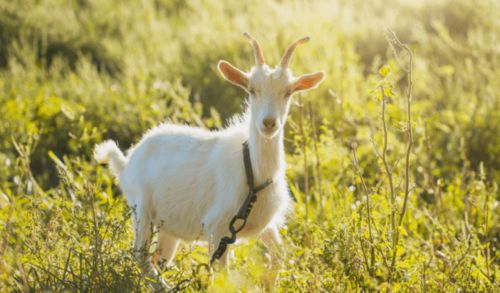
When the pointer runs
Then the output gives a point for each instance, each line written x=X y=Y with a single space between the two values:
x=394 y=160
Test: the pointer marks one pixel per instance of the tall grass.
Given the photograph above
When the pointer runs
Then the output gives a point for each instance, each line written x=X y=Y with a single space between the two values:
x=393 y=160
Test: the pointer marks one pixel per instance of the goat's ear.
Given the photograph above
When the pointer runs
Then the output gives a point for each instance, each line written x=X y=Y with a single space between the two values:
x=233 y=74
x=308 y=81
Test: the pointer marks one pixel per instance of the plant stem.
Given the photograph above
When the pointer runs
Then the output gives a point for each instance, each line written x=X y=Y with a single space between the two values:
x=410 y=134
x=391 y=186
x=368 y=211
x=395 y=41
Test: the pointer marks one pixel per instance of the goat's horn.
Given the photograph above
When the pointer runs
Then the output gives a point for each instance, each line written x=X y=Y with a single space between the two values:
x=285 y=60
x=259 y=58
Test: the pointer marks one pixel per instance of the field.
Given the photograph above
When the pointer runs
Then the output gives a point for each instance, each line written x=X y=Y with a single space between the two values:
x=394 y=159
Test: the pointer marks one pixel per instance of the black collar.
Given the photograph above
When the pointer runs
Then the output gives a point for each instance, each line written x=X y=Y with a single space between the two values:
x=245 y=208
x=249 y=171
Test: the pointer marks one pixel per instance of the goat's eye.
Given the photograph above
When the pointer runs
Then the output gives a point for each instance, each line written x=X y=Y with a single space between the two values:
x=252 y=92
x=287 y=95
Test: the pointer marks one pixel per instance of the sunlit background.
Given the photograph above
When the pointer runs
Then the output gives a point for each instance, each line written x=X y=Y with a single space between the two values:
x=73 y=73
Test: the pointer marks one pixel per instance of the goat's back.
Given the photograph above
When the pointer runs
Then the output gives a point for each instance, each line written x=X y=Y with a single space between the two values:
x=183 y=175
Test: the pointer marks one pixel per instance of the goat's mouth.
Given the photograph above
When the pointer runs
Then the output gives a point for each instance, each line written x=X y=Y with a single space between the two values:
x=268 y=133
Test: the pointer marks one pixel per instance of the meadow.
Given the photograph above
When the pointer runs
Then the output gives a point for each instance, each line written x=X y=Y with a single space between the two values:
x=394 y=160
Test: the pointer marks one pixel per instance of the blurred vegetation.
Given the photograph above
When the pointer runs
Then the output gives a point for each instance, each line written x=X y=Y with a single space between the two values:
x=73 y=73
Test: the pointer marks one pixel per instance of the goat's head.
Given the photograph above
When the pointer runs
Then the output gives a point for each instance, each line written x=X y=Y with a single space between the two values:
x=270 y=89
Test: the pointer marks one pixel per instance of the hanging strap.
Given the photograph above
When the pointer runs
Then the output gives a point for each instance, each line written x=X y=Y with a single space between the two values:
x=245 y=208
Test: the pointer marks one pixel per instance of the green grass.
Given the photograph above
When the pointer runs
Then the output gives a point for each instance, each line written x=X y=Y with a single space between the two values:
x=73 y=73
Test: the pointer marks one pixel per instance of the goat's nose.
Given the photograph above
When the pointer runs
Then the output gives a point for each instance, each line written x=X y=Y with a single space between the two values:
x=269 y=123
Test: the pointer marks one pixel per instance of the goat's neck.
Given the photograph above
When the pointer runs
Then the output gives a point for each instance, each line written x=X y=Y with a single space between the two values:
x=266 y=154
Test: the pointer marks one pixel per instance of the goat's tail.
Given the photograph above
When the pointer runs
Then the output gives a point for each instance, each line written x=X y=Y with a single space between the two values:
x=109 y=153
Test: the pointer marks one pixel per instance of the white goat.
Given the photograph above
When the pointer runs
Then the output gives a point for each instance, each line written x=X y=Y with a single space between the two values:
x=190 y=182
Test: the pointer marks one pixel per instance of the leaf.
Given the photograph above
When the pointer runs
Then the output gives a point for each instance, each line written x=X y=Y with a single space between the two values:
x=385 y=70
x=68 y=111
x=388 y=92
x=378 y=95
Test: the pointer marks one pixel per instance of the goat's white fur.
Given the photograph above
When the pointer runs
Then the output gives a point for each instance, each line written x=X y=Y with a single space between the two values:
x=190 y=182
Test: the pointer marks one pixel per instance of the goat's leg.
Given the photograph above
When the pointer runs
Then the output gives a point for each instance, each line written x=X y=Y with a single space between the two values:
x=143 y=230
x=142 y=238
x=272 y=241
x=167 y=246
x=271 y=236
